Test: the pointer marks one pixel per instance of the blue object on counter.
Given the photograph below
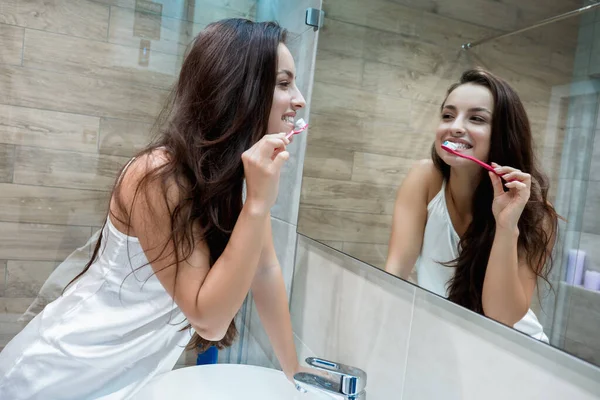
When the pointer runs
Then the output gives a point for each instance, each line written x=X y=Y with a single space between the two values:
x=208 y=357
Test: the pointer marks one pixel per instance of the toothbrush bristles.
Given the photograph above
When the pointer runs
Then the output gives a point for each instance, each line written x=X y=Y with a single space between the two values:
x=300 y=123
x=450 y=145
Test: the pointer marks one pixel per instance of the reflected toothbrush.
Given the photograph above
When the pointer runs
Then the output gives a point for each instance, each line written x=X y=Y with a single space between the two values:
x=299 y=126
x=452 y=149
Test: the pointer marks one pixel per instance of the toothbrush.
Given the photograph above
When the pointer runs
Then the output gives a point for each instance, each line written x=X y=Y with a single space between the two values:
x=451 y=148
x=300 y=126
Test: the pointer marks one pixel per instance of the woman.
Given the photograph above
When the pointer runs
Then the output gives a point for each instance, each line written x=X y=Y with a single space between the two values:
x=179 y=248
x=472 y=241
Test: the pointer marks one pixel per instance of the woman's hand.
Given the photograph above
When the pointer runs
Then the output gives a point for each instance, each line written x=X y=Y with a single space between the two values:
x=508 y=206
x=262 y=168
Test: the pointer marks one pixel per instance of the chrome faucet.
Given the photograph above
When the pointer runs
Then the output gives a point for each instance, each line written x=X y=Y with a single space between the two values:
x=346 y=383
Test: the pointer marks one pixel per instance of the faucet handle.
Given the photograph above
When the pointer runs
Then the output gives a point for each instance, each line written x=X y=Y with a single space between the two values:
x=352 y=380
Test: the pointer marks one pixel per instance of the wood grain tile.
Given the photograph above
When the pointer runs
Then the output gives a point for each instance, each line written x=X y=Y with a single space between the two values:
x=120 y=3
x=530 y=50
x=78 y=94
x=405 y=52
x=46 y=167
x=334 y=245
x=369 y=134
x=530 y=12
x=344 y=226
x=38 y=204
x=60 y=53
x=7 y=160
x=580 y=350
x=425 y=5
x=122 y=137
x=371 y=253
x=435 y=30
x=340 y=100
x=40 y=242
x=82 y=18
x=2 y=276
x=516 y=68
x=411 y=84
x=209 y=11
x=595 y=163
x=590 y=243
x=490 y=13
x=425 y=117
x=191 y=11
x=11 y=44
x=338 y=69
x=381 y=170
x=563 y=61
x=562 y=35
x=591 y=222
x=51 y=129
x=328 y=162
x=584 y=317
x=15 y=305
x=25 y=278
x=448 y=32
x=342 y=38
x=538 y=115
x=9 y=327
x=347 y=196
x=166 y=35
x=379 y=14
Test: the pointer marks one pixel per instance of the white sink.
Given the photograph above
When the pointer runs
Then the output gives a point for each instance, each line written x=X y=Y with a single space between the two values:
x=224 y=382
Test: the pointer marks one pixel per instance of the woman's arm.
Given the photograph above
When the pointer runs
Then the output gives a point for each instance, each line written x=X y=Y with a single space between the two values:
x=268 y=290
x=509 y=281
x=209 y=297
x=410 y=217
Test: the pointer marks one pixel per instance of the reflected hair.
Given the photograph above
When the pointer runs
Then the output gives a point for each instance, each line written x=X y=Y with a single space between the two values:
x=218 y=109
x=511 y=144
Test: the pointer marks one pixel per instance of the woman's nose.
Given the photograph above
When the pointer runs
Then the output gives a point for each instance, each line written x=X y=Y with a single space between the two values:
x=457 y=127
x=298 y=100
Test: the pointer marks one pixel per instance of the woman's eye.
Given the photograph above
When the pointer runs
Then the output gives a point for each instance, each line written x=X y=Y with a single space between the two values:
x=446 y=116
x=478 y=119
x=284 y=84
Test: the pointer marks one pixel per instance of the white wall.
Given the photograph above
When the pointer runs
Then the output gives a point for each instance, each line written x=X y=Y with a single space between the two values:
x=415 y=345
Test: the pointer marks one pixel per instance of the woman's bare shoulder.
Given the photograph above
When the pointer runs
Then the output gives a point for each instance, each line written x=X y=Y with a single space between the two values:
x=430 y=177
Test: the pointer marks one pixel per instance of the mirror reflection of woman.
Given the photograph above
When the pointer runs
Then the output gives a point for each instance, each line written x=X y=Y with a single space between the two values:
x=480 y=242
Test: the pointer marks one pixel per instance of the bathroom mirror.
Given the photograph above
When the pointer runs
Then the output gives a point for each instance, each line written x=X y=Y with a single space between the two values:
x=382 y=72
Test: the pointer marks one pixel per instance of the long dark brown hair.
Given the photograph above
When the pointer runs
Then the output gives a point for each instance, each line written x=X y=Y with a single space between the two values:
x=218 y=109
x=511 y=145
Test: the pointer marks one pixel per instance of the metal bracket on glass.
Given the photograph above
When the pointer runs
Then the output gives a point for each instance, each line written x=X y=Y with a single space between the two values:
x=314 y=18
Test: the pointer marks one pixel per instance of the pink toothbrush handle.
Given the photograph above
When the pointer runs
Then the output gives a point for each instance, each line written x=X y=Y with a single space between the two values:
x=484 y=165
x=289 y=135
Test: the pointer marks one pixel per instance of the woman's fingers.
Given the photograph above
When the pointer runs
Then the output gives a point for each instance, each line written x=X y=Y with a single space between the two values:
x=266 y=149
x=516 y=185
x=511 y=174
x=517 y=176
x=496 y=184
x=271 y=145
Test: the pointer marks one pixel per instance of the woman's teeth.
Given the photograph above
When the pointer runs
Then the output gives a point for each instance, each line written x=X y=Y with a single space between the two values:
x=457 y=145
x=462 y=146
x=288 y=119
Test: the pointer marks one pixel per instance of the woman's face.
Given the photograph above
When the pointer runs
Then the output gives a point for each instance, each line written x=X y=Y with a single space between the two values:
x=287 y=99
x=466 y=120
